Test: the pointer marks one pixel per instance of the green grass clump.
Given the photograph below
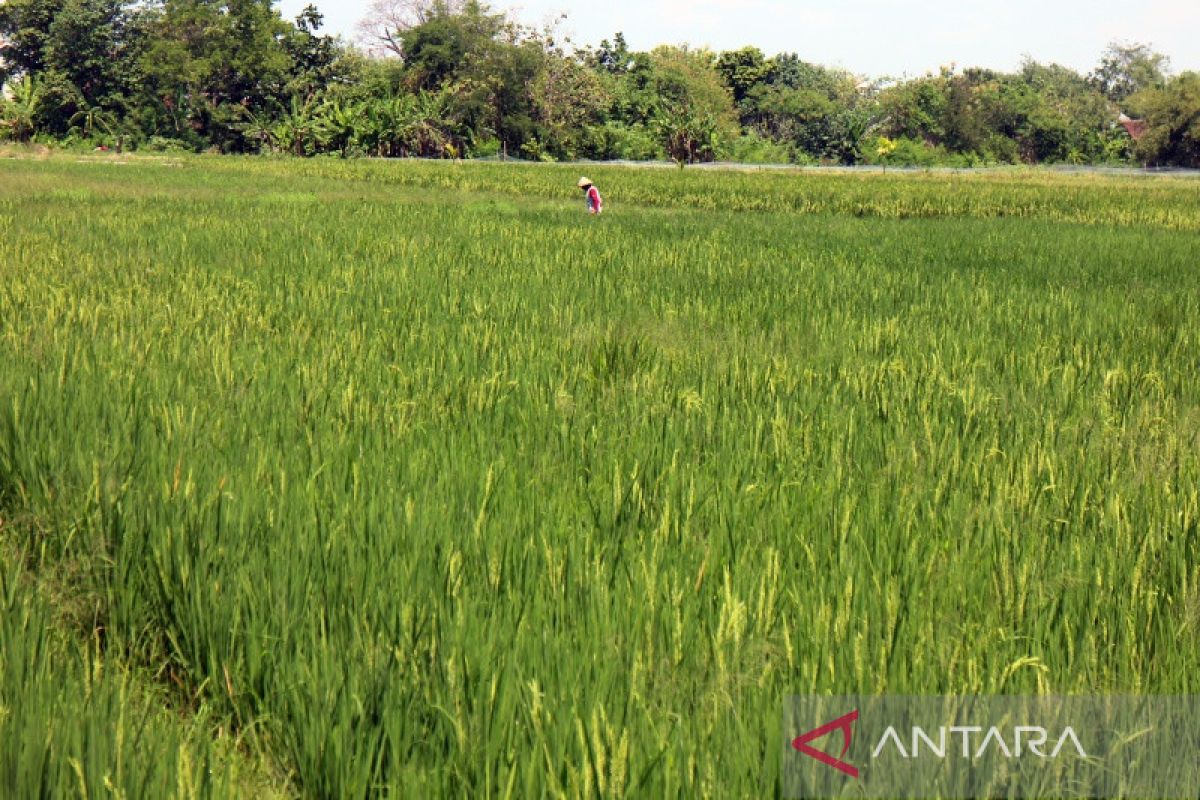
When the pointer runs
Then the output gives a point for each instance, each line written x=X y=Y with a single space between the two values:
x=74 y=725
x=425 y=483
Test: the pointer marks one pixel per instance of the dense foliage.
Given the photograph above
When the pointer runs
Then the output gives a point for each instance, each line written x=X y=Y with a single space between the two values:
x=415 y=481
x=464 y=80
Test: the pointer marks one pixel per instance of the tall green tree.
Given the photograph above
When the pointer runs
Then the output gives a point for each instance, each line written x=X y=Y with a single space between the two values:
x=86 y=44
x=694 y=110
x=89 y=46
x=613 y=57
x=210 y=63
x=742 y=70
x=450 y=43
x=916 y=109
x=818 y=111
x=316 y=60
x=25 y=34
x=1172 y=115
x=1126 y=69
x=567 y=98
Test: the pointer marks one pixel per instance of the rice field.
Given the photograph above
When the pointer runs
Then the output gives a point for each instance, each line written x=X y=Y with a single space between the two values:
x=358 y=479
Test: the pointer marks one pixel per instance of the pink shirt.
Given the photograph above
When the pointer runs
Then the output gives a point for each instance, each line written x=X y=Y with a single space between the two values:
x=595 y=204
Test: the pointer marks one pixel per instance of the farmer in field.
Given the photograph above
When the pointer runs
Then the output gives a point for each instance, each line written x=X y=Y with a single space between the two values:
x=594 y=203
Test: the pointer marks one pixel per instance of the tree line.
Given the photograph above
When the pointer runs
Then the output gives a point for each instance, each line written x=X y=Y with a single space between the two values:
x=457 y=78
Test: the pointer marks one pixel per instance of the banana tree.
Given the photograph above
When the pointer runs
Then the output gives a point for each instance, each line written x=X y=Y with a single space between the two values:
x=336 y=126
x=294 y=132
x=257 y=128
x=687 y=137
x=92 y=119
x=18 y=114
x=407 y=125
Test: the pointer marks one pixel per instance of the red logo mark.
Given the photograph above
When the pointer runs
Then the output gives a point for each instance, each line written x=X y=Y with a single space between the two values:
x=846 y=726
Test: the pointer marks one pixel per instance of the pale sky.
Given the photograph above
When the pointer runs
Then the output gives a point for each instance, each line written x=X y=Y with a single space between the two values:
x=872 y=37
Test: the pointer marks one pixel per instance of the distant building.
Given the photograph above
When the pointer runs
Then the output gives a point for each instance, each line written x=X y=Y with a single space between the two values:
x=1136 y=128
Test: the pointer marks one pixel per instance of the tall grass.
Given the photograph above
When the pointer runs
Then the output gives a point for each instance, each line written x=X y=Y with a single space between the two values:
x=426 y=484
x=72 y=725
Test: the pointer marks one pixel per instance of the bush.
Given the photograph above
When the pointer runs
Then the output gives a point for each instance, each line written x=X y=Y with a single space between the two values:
x=754 y=149
x=908 y=152
x=1117 y=147
x=1173 y=122
x=1000 y=149
x=163 y=144
x=485 y=148
x=616 y=140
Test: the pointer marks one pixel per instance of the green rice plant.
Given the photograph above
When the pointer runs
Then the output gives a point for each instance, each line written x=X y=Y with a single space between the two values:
x=73 y=725
x=421 y=482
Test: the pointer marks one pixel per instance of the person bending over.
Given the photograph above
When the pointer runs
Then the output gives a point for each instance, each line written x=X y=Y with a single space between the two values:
x=595 y=204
